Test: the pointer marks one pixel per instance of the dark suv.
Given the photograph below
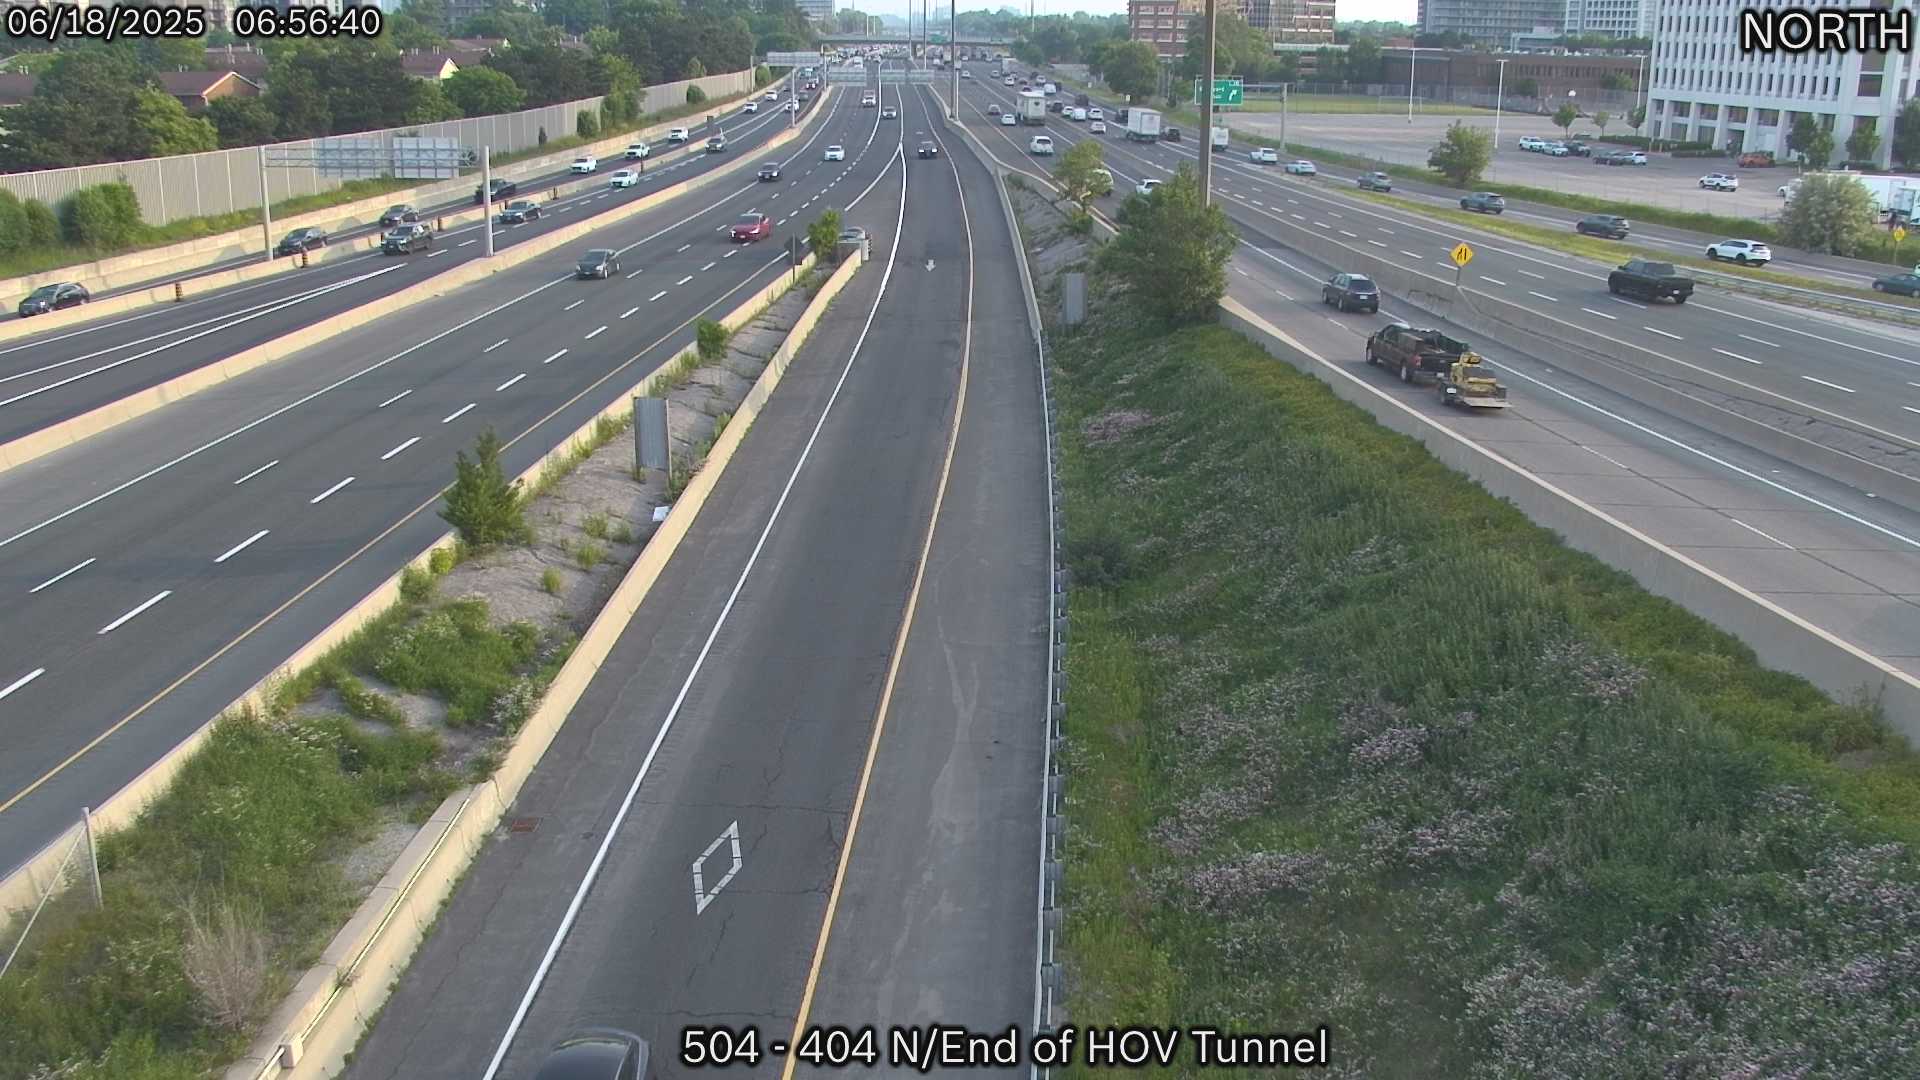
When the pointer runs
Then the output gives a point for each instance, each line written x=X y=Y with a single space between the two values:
x=406 y=239
x=502 y=189
x=1610 y=226
x=57 y=297
x=1350 y=292
x=1485 y=202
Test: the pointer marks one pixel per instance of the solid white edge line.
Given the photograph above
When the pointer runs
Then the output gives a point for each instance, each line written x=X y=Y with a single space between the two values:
x=242 y=546
x=122 y=620
x=63 y=574
x=20 y=682
x=646 y=764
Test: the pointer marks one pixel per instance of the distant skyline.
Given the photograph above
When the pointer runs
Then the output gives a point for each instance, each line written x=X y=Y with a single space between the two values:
x=1347 y=11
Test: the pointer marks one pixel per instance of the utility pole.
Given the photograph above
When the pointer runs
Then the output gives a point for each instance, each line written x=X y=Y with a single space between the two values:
x=1206 y=112
x=1499 y=100
x=486 y=193
x=266 y=204
x=953 y=48
x=1286 y=96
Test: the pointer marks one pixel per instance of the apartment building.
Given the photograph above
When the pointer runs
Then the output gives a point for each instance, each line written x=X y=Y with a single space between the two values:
x=1302 y=22
x=1493 y=21
x=1162 y=24
x=1705 y=89
x=1614 y=18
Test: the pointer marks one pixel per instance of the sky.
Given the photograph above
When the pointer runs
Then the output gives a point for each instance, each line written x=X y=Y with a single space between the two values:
x=1348 y=10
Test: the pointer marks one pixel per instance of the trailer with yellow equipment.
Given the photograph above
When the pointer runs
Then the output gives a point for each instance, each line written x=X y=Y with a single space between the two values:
x=1466 y=384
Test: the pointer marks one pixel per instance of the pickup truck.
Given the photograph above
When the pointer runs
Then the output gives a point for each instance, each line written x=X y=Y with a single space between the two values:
x=1649 y=281
x=1416 y=355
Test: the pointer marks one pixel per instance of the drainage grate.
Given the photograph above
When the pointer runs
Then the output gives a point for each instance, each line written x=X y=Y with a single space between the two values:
x=523 y=825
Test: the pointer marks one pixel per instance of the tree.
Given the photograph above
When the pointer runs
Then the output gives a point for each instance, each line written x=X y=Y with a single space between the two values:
x=823 y=234
x=1029 y=53
x=1601 y=119
x=1801 y=133
x=1080 y=176
x=574 y=16
x=166 y=128
x=1829 y=214
x=1819 y=149
x=1564 y=116
x=429 y=105
x=1463 y=155
x=1637 y=118
x=13 y=222
x=83 y=110
x=483 y=505
x=1906 y=134
x=587 y=125
x=1132 y=70
x=1616 y=81
x=1364 y=61
x=1172 y=250
x=428 y=15
x=695 y=69
x=484 y=91
x=1864 y=143
x=241 y=121
x=1526 y=87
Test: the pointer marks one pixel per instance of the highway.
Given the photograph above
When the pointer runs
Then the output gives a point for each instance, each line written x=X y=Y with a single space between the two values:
x=1847 y=385
x=736 y=123
x=160 y=569
x=72 y=370
x=1837 y=557
x=768 y=692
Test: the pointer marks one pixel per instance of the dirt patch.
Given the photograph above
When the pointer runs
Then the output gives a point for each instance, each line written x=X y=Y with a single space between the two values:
x=1115 y=426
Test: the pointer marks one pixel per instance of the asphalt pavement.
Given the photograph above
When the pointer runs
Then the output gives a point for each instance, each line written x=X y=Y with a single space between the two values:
x=739 y=707
x=70 y=371
x=1846 y=385
x=163 y=567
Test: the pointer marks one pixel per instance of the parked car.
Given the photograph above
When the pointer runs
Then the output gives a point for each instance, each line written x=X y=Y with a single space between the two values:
x=1577 y=148
x=1611 y=157
x=1351 y=292
x=636 y=151
x=1556 y=149
x=406 y=239
x=1608 y=226
x=625 y=178
x=598 y=263
x=1532 y=143
x=770 y=171
x=1756 y=159
x=600 y=1054
x=679 y=134
x=928 y=150
x=1636 y=157
x=1741 y=251
x=1649 y=281
x=1041 y=144
x=1900 y=284
x=751 y=227
x=57 y=297
x=584 y=164
x=519 y=212
x=1302 y=168
x=1720 y=181
x=1375 y=181
x=501 y=189
x=398 y=215
x=1264 y=155
x=1484 y=202
x=300 y=240
x=1146 y=187
x=835 y=153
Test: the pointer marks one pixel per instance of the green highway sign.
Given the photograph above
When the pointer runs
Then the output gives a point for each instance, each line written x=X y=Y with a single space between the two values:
x=1225 y=91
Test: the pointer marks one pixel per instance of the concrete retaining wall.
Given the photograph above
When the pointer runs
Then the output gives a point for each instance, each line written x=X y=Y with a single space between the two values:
x=67 y=432
x=191 y=255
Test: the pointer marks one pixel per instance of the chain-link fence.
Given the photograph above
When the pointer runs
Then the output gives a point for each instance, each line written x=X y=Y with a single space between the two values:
x=59 y=884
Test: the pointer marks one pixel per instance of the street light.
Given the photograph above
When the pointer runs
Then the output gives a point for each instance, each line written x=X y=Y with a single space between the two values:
x=1413 y=65
x=1499 y=98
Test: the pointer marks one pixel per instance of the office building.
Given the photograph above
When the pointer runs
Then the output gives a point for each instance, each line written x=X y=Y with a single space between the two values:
x=1493 y=21
x=1302 y=22
x=1705 y=89
x=820 y=11
x=1162 y=24
x=1614 y=18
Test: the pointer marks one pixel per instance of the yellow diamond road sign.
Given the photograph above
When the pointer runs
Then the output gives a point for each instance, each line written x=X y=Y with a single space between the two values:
x=1899 y=233
x=1462 y=255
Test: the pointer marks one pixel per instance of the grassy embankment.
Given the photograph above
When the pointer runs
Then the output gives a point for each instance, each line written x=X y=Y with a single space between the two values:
x=1352 y=742
x=41 y=260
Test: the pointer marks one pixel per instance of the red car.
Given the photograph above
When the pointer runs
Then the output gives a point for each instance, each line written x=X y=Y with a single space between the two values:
x=751 y=227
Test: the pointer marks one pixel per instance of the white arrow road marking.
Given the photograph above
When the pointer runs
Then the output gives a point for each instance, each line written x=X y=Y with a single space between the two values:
x=929 y=264
x=701 y=896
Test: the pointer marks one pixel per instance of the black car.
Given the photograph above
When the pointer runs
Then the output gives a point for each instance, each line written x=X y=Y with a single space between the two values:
x=769 y=171
x=1610 y=226
x=602 y=1054
x=47 y=298
x=300 y=240
x=1055 y=106
x=1170 y=134
x=502 y=189
x=519 y=212
x=1484 y=202
x=1902 y=284
x=406 y=239
x=993 y=110
x=1576 y=148
x=1609 y=157
x=1350 y=292
x=599 y=263
x=398 y=215
x=928 y=149
x=1375 y=181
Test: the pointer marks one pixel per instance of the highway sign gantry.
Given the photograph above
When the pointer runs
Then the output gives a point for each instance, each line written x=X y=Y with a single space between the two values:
x=792 y=59
x=1225 y=91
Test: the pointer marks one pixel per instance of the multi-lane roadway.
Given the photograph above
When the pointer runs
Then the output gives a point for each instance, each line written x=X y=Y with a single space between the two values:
x=156 y=571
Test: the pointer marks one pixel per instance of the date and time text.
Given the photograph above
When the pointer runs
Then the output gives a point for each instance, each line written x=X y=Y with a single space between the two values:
x=56 y=22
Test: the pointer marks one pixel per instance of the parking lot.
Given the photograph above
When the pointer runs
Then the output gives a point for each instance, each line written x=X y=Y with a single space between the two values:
x=1665 y=181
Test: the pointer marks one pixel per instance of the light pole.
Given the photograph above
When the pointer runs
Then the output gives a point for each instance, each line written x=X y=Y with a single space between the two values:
x=953 y=48
x=1413 y=66
x=1568 y=130
x=1499 y=99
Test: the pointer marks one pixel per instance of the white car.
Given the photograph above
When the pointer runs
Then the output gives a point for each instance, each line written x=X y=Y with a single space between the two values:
x=791 y=106
x=750 y=107
x=1264 y=155
x=678 y=135
x=1720 y=182
x=1302 y=168
x=1078 y=114
x=1555 y=150
x=1008 y=80
x=1041 y=144
x=835 y=153
x=1532 y=142
x=1096 y=114
x=585 y=163
x=1744 y=252
x=625 y=178
x=868 y=101
x=637 y=151
x=1008 y=120
x=1146 y=187
x=1098 y=127
x=965 y=74
x=773 y=95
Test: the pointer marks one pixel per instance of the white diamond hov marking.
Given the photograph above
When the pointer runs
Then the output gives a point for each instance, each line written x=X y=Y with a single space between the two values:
x=701 y=896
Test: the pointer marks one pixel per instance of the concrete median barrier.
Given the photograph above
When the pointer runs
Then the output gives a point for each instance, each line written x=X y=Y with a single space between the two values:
x=188 y=256
x=1781 y=639
x=65 y=433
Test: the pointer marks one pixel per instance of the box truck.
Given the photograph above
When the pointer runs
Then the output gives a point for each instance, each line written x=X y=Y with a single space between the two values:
x=1033 y=107
x=1143 y=125
x=1219 y=138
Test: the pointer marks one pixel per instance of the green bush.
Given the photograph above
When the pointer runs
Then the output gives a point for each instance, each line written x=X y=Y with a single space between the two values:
x=695 y=95
x=762 y=75
x=587 y=124
x=550 y=581
x=456 y=653
x=43 y=225
x=102 y=216
x=416 y=585
x=622 y=533
x=588 y=556
x=13 y=222
x=712 y=340
x=440 y=561
x=595 y=525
